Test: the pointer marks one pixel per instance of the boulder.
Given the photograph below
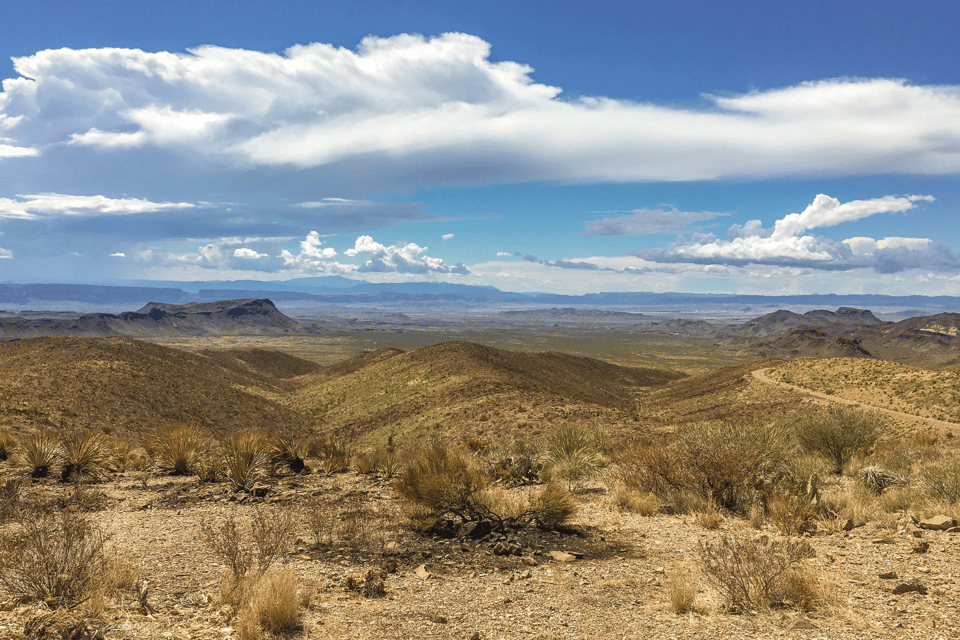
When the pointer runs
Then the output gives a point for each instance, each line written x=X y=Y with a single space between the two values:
x=938 y=523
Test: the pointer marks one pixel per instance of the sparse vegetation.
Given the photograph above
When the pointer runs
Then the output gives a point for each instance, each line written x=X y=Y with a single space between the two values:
x=572 y=455
x=38 y=453
x=245 y=455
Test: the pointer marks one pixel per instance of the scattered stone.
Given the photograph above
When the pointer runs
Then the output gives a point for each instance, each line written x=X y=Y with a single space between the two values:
x=561 y=556
x=525 y=575
x=923 y=547
x=437 y=619
x=528 y=561
x=260 y=491
x=938 y=523
x=506 y=549
x=890 y=575
x=910 y=587
x=801 y=624
x=476 y=530
x=372 y=585
x=390 y=566
x=914 y=530
x=847 y=525
x=421 y=572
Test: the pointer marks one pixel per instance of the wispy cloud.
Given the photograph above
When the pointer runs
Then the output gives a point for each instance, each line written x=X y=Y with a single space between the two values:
x=437 y=111
x=647 y=222
x=45 y=205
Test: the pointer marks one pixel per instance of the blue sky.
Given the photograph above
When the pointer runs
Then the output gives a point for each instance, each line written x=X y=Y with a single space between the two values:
x=533 y=146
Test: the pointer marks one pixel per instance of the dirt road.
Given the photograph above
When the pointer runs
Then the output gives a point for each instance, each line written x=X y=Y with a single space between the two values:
x=761 y=375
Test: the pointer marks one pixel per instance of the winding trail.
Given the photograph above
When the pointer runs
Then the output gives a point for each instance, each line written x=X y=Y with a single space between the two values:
x=761 y=375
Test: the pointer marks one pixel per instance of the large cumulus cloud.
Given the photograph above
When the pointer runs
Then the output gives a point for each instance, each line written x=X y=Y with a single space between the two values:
x=435 y=111
x=787 y=244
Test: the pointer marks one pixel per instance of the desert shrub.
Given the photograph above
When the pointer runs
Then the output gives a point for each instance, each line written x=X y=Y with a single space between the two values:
x=644 y=466
x=56 y=557
x=443 y=481
x=753 y=573
x=553 y=505
x=119 y=452
x=177 y=449
x=84 y=455
x=365 y=463
x=245 y=455
x=272 y=605
x=388 y=462
x=334 y=454
x=8 y=443
x=572 y=455
x=210 y=466
x=941 y=482
x=838 y=433
x=38 y=452
x=11 y=499
x=504 y=504
x=730 y=464
x=272 y=529
x=682 y=585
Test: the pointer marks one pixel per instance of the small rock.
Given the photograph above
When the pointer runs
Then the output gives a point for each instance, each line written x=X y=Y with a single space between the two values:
x=953 y=530
x=438 y=619
x=847 y=525
x=421 y=572
x=909 y=587
x=260 y=490
x=938 y=523
x=914 y=530
x=923 y=547
x=530 y=562
x=561 y=556
x=801 y=623
x=525 y=575
x=890 y=575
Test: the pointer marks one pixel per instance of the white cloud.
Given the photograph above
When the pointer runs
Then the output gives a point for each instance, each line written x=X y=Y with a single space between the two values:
x=646 y=222
x=118 y=254
x=785 y=243
x=504 y=254
x=311 y=247
x=447 y=236
x=13 y=151
x=434 y=111
x=31 y=207
x=5 y=254
x=248 y=254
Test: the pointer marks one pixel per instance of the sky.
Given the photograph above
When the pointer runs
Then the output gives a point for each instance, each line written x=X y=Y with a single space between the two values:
x=566 y=147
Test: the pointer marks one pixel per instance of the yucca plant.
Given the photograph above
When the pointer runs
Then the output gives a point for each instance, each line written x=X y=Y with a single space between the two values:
x=39 y=452
x=119 y=451
x=177 y=450
x=83 y=454
x=245 y=454
x=572 y=455
x=8 y=443
x=289 y=451
x=334 y=454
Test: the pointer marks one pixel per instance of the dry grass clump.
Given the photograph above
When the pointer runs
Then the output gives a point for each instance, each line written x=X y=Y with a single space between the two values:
x=941 y=482
x=682 y=585
x=255 y=548
x=638 y=501
x=333 y=453
x=271 y=605
x=289 y=451
x=756 y=573
x=514 y=462
x=55 y=557
x=877 y=479
x=178 y=449
x=709 y=517
x=38 y=453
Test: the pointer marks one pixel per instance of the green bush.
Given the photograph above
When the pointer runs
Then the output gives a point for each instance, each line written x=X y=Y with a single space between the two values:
x=837 y=433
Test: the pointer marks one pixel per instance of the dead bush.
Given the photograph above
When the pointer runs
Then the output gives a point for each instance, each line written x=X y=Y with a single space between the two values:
x=8 y=443
x=55 y=557
x=371 y=585
x=941 y=482
x=513 y=463
x=877 y=479
x=444 y=481
x=319 y=515
x=710 y=517
x=753 y=573
x=229 y=545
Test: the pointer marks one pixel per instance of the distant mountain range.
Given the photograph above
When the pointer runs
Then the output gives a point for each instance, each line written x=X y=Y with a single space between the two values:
x=339 y=290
